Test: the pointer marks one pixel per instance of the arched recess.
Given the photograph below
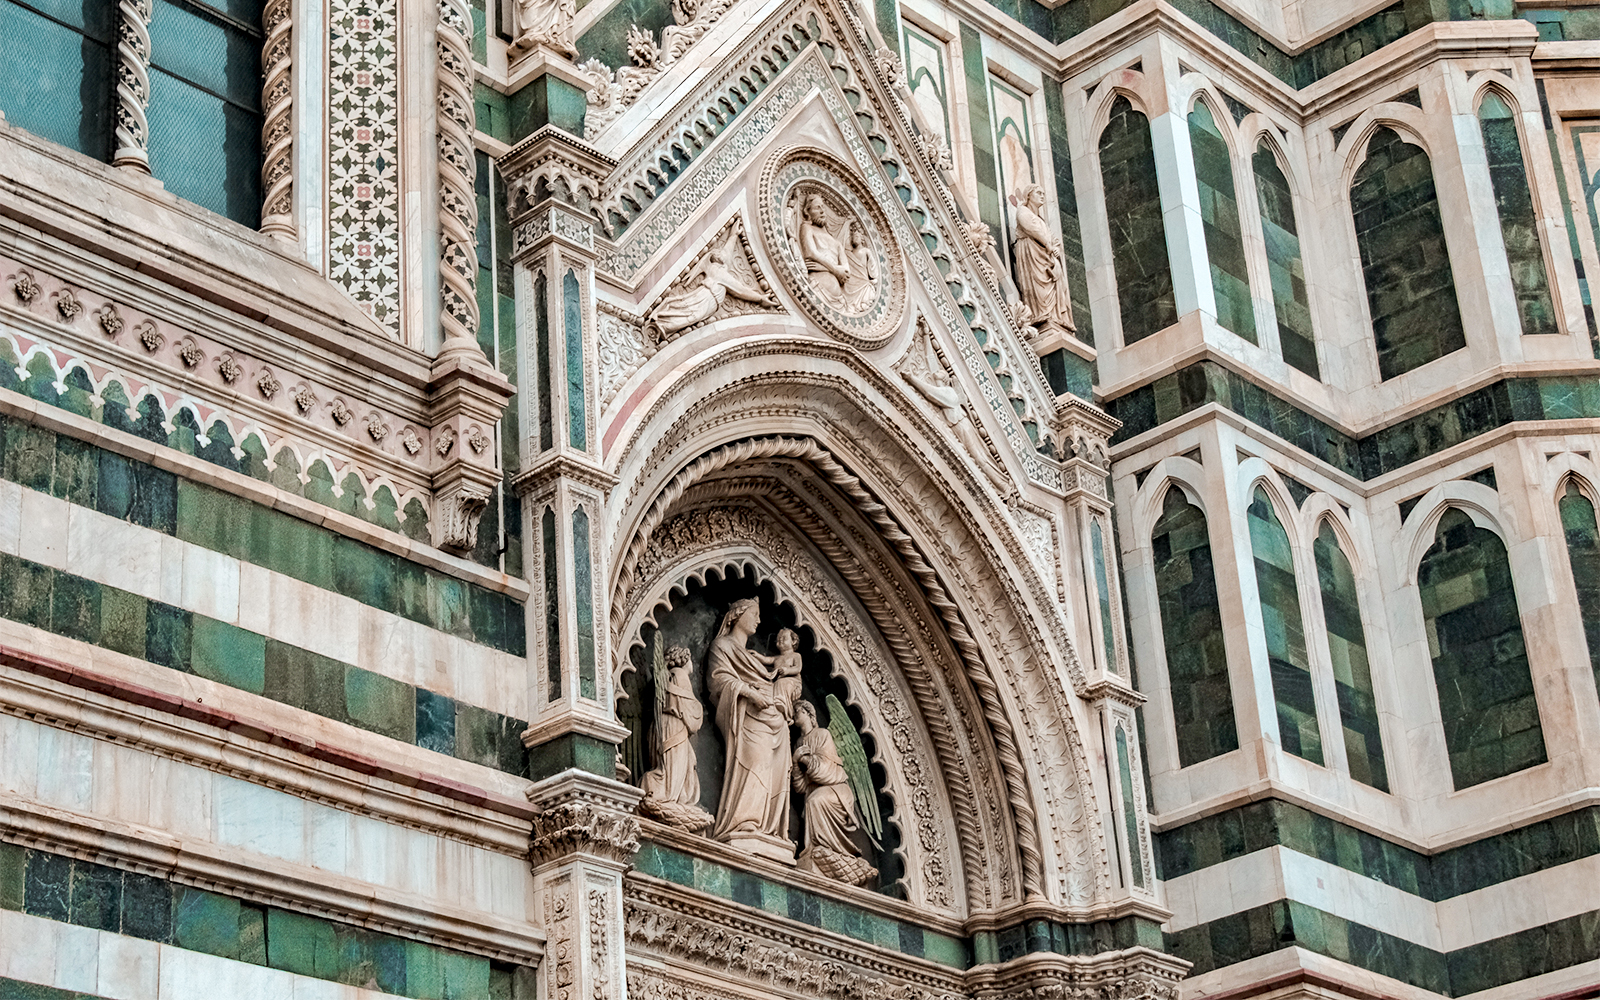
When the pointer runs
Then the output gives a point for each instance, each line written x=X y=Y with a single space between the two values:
x=992 y=658
x=931 y=809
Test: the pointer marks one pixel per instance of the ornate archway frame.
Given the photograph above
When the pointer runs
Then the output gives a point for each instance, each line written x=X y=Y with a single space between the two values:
x=907 y=486
x=740 y=534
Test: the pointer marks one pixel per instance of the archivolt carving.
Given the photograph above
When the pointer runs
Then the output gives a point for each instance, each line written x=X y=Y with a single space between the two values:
x=814 y=454
x=707 y=534
x=1020 y=656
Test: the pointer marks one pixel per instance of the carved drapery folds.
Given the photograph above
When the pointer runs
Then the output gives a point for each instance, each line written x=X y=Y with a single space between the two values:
x=277 y=128
x=133 y=85
x=458 y=205
x=545 y=24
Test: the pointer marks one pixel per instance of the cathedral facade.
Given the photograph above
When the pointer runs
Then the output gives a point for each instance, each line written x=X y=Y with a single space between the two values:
x=775 y=499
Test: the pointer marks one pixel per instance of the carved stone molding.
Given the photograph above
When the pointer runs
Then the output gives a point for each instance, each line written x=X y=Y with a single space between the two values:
x=698 y=937
x=581 y=813
x=133 y=85
x=277 y=124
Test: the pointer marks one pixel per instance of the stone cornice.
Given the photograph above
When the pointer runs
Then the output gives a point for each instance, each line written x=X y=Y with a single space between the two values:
x=259 y=749
x=286 y=884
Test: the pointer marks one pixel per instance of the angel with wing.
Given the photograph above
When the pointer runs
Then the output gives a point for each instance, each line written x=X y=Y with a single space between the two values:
x=672 y=790
x=832 y=772
x=724 y=272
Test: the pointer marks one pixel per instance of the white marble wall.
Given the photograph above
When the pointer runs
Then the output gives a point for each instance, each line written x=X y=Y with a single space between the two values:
x=63 y=536
x=122 y=788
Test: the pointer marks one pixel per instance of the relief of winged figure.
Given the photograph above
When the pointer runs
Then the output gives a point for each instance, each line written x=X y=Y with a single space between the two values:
x=724 y=272
x=672 y=789
x=832 y=772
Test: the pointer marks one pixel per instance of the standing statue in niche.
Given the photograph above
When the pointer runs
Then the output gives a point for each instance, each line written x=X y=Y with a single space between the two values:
x=830 y=769
x=1041 y=269
x=672 y=790
x=753 y=813
x=705 y=291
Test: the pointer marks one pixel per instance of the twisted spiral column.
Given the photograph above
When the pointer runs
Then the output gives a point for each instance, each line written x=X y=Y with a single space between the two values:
x=277 y=128
x=458 y=205
x=133 y=85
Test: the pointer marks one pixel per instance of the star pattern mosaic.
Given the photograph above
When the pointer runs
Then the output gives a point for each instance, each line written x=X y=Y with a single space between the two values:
x=364 y=157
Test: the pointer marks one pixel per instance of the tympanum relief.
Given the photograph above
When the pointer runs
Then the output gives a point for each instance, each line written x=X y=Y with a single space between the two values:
x=786 y=779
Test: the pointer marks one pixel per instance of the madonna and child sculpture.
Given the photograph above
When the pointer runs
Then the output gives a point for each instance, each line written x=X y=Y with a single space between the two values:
x=754 y=812
x=757 y=698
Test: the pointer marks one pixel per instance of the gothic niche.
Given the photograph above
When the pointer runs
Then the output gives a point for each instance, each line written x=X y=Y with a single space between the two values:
x=726 y=662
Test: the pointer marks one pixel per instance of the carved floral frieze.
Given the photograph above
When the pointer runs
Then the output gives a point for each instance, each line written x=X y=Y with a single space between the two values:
x=157 y=359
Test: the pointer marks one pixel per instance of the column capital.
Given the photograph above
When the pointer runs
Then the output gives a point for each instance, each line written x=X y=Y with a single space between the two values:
x=1081 y=433
x=583 y=814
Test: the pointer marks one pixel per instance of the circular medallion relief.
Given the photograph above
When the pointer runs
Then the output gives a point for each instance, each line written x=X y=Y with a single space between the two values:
x=827 y=236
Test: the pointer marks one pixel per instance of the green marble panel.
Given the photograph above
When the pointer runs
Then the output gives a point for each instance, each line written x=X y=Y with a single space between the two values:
x=1145 y=294
x=1480 y=661
x=1219 y=216
x=1287 y=659
x=1405 y=262
x=1347 y=650
x=1519 y=223
x=1191 y=630
x=1583 y=554
x=1285 y=265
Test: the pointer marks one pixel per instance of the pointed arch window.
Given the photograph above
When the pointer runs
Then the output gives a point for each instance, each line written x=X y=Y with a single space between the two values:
x=1219 y=214
x=1411 y=290
x=1191 y=631
x=1583 y=553
x=1287 y=659
x=1347 y=651
x=1145 y=295
x=1480 y=661
x=1519 y=224
x=1285 y=265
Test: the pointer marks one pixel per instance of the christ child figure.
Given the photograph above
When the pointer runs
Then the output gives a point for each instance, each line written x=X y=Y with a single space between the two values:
x=786 y=673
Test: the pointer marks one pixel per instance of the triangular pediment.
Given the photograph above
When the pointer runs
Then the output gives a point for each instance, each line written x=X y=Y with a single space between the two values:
x=816 y=74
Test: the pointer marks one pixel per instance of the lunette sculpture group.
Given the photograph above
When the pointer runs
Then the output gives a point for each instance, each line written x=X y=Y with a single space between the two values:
x=756 y=700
